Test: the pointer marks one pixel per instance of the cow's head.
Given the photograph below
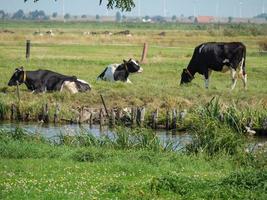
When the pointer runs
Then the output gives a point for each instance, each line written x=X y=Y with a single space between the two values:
x=186 y=76
x=133 y=66
x=17 y=77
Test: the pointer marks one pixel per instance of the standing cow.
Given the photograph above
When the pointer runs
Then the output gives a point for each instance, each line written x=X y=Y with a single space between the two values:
x=45 y=80
x=217 y=56
x=120 y=72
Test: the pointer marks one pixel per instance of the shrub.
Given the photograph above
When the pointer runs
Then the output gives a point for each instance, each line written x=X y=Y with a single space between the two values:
x=263 y=45
x=251 y=180
x=87 y=155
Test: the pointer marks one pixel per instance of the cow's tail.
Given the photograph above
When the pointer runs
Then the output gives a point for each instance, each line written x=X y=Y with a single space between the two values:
x=243 y=67
x=101 y=76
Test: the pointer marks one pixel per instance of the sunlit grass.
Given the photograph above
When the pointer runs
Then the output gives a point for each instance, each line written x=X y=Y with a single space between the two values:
x=73 y=53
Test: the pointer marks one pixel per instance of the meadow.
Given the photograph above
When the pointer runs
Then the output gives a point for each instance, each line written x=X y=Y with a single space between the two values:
x=85 y=167
x=217 y=164
x=72 y=53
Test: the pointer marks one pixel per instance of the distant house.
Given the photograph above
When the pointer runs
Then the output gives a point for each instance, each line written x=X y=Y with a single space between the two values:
x=204 y=19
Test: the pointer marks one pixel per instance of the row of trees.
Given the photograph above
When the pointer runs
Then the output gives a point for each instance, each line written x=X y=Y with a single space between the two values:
x=124 y=5
x=33 y=15
x=40 y=15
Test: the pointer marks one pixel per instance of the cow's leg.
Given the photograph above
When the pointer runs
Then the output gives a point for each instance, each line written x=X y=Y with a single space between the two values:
x=244 y=79
x=128 y=81
x=234 y=78
x=243 y=73
x=207 y=76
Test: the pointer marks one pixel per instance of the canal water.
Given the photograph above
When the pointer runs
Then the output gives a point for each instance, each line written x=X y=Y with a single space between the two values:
x=52 y=132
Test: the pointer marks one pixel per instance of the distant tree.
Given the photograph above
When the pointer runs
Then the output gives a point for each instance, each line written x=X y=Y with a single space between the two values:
x=18 y=15
x=97 y=17
x=2 y=14
x=147 y=17
x=263 y=15
x=174 y=18
x=67 y=16
x=124 y=5
x=191 y=18
x=54 y=15
x=37 y=15
x=159 y=18
x=118 y=16
x=84 y=16
x=230 y=19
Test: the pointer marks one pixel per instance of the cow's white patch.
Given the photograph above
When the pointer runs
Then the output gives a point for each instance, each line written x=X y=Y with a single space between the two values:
x=140 y=70
x=82 y=81
x=226 y=61
x=200 y=49
x=69 y=86
x=134 y=62
x=109 y=74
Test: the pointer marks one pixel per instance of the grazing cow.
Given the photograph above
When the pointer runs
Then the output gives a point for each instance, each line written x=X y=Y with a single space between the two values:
x=120 y=72
x=45 y=80
x=217 y=56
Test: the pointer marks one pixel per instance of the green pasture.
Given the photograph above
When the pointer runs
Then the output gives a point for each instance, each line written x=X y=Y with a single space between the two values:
x=83 y=167
x=85 y=56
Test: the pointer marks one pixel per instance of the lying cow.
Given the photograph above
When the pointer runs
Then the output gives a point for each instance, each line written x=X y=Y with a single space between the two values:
x=217 y=56
x=45 y=80
x=120 y=72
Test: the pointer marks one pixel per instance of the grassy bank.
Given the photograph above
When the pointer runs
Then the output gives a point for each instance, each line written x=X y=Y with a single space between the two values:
x=72 y=53
x=84 y=167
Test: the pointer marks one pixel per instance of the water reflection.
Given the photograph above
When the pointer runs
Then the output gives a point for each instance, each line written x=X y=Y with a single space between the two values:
x=51 y=132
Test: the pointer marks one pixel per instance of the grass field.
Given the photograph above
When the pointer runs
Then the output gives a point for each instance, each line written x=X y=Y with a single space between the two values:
x=70 y=52
x=214 y=166
x=32 y=168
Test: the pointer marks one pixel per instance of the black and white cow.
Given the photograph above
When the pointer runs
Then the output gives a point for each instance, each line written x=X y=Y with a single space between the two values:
x=45 y=80
x=217 y=56
x=120 y=72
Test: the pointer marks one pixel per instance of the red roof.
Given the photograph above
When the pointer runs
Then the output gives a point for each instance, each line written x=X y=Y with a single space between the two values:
x=205 y=19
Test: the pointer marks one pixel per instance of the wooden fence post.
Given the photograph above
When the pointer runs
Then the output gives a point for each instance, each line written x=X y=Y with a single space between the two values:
x=174 y=119
x=45 y=113
x=155 y=119
x=17 y=90
x=101 y=119
x=28 y=50
x=141 y=112
x=168 y=118
x=112 y=118
x=133 y=116
x=104 y=105
x=144 y=54
x=56 y=114
x=91 y=120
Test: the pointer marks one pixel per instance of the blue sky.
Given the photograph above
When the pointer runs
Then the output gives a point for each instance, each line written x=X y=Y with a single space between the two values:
x=246 y=8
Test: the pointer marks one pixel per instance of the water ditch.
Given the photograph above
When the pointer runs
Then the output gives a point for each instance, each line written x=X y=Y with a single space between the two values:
x=52 y=132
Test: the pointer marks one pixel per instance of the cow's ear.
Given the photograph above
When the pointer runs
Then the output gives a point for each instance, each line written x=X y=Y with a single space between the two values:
x=21 y=68
x=124 y=61
x=129 y=60
x=184 y=70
